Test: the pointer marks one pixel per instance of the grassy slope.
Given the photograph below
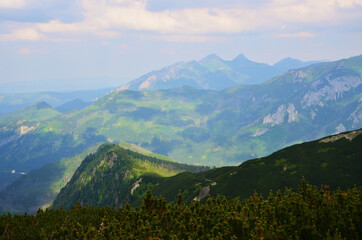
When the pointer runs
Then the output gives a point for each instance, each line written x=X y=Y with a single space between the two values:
x=337 y=164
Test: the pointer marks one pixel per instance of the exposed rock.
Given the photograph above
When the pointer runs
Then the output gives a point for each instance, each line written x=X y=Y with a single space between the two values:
x=340 y=128
x=204 y=192
x=356 y=117
x=233 y=173
x=292 y=113
x=136 y=185
x=333 y=89
x=277 y=118
x=350 y=136
x=25 y=129
x=259 y=132
x=300 y=75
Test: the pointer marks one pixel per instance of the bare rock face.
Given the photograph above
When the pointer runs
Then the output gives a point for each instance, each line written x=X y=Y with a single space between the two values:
x=356 y=116
x=340 y=128
x=333 y=88
x=277 y=118
x=136 y=185
x=204 y=192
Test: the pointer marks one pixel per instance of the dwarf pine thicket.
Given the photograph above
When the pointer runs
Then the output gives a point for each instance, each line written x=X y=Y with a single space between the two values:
x=310 y=213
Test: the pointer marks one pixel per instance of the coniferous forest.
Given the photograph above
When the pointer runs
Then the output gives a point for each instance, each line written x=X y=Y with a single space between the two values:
x=308 y=213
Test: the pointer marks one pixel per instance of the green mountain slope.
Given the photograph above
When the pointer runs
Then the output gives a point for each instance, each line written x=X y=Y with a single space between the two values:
x=199 y=126
x=212 y=73
x=335 y=161
x=114 y=175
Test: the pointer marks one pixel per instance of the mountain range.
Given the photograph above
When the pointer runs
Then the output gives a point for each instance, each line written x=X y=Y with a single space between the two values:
x=188 y=125
x=114 y=176
x=213 y=73
x=10 y=102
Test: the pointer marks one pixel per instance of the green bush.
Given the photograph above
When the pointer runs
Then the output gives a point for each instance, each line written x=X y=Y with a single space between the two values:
x=310 y=213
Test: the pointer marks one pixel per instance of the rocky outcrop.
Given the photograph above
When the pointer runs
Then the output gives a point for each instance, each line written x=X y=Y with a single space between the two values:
x=277 y=117
x=350 y=136
x=136 y=185
x=356 y=116
x=333 y=88
x=204 y=192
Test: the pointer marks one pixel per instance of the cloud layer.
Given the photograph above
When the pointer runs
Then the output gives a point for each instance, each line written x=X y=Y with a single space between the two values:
x=111 y=18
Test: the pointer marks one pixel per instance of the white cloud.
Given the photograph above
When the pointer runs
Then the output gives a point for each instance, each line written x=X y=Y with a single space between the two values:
x=12 y=3
x=296 y=35
x=108 y=34
x=108 y=18
x=23 y=34
x=311 y=10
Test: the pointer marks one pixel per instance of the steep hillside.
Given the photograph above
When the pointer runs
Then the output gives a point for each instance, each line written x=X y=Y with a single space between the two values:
x=212 y=73
x=38 y=188
x=114 y=176
x=107 y=178
x=335 y=161
x=199 y=126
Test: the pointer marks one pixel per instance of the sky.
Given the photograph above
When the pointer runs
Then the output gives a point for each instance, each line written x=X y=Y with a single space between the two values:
x=57 y=45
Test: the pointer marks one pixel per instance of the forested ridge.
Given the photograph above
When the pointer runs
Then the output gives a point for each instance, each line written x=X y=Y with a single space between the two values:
x=308 y=213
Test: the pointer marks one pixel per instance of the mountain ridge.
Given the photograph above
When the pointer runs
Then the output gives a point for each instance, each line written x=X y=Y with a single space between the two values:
x=334 y=160
x=213 y=73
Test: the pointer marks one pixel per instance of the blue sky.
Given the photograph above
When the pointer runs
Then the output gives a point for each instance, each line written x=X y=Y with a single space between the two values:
x=88 y=44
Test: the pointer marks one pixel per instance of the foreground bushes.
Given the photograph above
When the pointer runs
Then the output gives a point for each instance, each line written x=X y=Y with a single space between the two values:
x=311 y=213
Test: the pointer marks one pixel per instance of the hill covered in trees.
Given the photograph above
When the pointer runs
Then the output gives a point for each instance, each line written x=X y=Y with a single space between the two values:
x=114 y=176
x=310 y=213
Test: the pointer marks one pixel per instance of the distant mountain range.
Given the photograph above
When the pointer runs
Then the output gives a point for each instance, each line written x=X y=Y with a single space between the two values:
x=191 y=125
x=64 y=101
x=213 y=73
x=114 y=176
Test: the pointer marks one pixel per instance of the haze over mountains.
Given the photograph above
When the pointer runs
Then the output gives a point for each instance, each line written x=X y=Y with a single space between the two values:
x=188 y=124
x=12 y=101
x=213 y=73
